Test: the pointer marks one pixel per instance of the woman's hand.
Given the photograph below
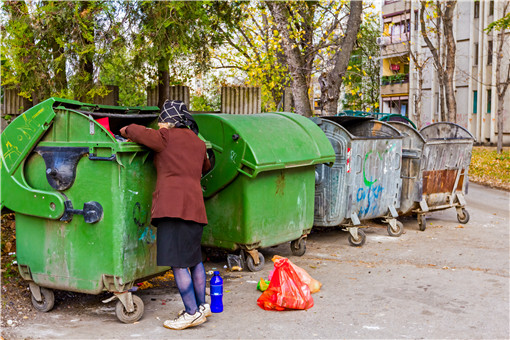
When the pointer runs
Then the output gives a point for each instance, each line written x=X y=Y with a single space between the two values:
x=123 y=132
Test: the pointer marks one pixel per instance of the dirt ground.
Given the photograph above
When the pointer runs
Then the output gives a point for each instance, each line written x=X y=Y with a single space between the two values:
x=450 y=281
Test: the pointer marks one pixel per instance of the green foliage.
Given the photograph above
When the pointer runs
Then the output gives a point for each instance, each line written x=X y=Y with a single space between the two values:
x=361 y=81
x=52 y=47
x=253 y=53
x=71 y=49
x=499 y=25
x=394 y=78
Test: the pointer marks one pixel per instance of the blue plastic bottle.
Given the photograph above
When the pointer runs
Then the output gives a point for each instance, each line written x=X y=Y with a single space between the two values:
x=216 y=285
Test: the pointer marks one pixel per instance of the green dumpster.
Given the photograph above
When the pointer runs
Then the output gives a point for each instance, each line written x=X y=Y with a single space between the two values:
x=59 y=162
x=261 y=189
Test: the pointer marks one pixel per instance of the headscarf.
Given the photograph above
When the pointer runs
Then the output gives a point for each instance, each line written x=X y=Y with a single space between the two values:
x=176 y=112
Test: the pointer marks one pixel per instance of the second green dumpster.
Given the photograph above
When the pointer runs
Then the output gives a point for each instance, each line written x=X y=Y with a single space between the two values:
x=260 y=191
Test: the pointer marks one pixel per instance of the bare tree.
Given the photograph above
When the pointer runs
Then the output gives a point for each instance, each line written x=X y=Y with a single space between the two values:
x=444 y=58
x=333 y=80
x=419 y=64
x=301 y=52
x=501 y=81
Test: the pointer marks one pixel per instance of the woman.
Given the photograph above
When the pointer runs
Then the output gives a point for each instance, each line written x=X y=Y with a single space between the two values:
x=178 y=209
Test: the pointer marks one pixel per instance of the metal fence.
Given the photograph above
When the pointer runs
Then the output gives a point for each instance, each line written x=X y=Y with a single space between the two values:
x=241 y=100
x=177 y=92
x=234 y=100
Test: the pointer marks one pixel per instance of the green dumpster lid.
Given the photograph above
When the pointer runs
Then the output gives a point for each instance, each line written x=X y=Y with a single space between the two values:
x=250 y=144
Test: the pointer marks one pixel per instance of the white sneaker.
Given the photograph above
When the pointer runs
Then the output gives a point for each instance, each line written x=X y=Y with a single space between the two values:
x=205 y=309
x=185 y=320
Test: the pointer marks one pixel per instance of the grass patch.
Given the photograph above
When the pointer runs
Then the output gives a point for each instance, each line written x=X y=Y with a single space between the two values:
x=490 y=168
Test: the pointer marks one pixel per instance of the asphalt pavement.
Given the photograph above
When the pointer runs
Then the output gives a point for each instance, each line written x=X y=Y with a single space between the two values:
x=449 y=281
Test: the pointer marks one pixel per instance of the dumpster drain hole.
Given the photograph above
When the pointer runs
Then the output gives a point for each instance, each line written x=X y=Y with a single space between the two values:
x=52 y=206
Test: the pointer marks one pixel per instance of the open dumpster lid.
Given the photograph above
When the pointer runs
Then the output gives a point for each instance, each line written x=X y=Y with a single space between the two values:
x=250 y=144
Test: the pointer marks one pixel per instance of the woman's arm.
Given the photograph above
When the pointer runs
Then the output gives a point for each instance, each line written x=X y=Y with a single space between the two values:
x=140 y=134
x=206 y=165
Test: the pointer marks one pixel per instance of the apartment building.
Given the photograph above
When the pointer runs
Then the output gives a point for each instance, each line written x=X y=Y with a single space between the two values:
x=403 y=51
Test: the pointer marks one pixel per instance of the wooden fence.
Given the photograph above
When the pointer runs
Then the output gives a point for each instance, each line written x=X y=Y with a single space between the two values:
x=234 y=100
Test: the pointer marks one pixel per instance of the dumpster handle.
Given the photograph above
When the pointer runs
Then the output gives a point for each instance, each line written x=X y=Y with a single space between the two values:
x=93 y=157
x=245 y=173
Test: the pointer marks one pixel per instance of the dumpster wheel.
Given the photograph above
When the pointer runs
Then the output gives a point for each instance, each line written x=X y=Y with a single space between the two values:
x=362 y=237
x=399 y=230
x=463 y=217
x=422 y=222
x=47 y=302
x=130 y=317
x=250 y=262
x=298 y=247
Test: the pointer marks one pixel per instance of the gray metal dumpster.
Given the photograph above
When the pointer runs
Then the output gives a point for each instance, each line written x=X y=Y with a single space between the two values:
x=444 y=166
x=364 y=182
x=411 y=171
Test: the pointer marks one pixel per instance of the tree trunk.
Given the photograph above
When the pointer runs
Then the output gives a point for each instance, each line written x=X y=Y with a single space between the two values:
x=445 y=72
x=330 y=91
x=163 y=81
x=501 y=86
x=451 y=104
x=295 y=60
x=501 y=106
x=87 y=60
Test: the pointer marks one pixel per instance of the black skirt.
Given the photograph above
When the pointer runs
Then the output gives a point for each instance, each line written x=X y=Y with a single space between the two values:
x=178 y=242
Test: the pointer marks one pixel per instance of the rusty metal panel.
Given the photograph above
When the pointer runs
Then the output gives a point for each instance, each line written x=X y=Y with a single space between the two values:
x=439 y=181
x=445 y=163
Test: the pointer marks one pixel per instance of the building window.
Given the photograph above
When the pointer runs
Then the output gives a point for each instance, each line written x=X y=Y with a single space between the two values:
x=476 y=54
x=489 y=100
x=491 y=7
x=477 y=9
x=390 y=1
x=489 y=53
x=475 y=101
x=416 y=20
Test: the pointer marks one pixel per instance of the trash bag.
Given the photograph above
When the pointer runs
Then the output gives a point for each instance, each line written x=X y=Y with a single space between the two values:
x=262 y=285
x=312 y=283
x=286 y=290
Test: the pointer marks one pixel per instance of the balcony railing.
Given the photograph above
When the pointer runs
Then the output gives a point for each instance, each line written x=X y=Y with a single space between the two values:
x=398 y=78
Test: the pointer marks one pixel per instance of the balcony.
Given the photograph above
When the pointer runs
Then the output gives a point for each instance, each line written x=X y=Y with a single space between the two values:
x=395 y=84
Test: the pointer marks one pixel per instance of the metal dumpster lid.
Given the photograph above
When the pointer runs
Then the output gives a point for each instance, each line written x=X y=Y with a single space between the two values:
x=250 y=144
x=407 y=130
x=364 y=127
x=445 y=131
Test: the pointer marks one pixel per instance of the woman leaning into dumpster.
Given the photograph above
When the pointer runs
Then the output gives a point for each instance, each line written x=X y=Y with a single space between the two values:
x=178 y=209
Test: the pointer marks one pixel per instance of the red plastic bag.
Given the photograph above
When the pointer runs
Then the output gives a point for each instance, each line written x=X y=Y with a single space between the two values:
x=313 y=284
x=286 y=290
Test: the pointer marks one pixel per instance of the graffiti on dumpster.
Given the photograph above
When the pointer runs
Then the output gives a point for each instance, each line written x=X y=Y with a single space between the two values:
x=141 y=219
x=27 y=130
x=371 y=192
x=371 y=195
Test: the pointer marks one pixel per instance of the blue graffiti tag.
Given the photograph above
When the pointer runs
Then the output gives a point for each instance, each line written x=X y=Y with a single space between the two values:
x=369 y=195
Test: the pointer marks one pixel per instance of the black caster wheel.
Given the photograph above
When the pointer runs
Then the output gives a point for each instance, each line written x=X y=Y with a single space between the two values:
x=463 y=217
x=250 y=263
x=360 y=241
x=48 y=300
x=130 y=317
x=298 y=247
x=422 y=222
x=398 y=232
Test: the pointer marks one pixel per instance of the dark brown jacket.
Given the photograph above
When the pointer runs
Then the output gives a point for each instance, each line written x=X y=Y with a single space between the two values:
x=180 y=159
